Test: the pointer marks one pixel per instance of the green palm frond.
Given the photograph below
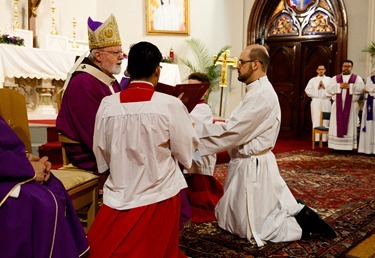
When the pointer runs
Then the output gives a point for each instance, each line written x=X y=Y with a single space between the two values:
x=370 y=49
x=205 y=63
x=201 y=53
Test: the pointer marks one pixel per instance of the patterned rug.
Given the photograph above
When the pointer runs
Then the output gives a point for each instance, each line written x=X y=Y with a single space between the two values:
x=339 y=186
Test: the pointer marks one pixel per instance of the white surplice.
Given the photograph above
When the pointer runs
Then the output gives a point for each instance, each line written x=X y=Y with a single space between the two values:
x=349 y=141
x=256 y=202
x=367 y=133
x=204 y=165
x=320 y=101
x=141 y=143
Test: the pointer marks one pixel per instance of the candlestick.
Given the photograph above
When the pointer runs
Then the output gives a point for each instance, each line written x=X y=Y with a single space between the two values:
x=74 y=33
x=53 y=8
x=16 y=25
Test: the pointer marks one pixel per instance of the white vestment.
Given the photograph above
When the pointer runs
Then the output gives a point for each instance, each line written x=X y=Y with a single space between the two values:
x=320 y=101
x=349 y=141
x=142 y=143
x=367 y=132
x=205 y=165
x=256 y=202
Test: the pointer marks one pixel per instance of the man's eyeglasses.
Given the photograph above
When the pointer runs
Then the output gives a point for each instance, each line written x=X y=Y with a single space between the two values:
x=115 y=53
x=241 y=62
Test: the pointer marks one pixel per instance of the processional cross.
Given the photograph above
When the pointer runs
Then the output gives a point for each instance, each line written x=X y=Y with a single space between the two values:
x=225 y=62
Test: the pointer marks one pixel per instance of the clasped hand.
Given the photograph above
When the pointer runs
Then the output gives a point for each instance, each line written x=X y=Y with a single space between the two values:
x=344 y=85
x=42 y=167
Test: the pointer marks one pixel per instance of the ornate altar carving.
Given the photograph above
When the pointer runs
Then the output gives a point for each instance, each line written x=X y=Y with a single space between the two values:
x=27 y=87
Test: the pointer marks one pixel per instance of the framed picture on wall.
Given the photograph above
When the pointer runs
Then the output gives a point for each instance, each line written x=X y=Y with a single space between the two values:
x=167 y=17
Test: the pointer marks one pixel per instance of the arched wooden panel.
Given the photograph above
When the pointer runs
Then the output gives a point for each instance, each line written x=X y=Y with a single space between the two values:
x=320 y=38
x=314 y=54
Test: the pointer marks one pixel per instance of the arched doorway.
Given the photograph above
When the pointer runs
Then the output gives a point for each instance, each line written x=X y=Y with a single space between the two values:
x=300 y=35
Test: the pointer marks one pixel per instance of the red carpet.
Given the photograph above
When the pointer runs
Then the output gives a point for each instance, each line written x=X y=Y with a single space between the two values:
x=340 y=186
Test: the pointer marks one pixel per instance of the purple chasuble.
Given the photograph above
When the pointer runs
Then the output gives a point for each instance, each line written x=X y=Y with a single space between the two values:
x=342 y=114
x=369 y=107
x=370 y=104
x=76 y=118
x=41 y=221
x=124 y=83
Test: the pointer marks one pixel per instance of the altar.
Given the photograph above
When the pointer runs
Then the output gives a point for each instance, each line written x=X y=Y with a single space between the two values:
x=39 y=73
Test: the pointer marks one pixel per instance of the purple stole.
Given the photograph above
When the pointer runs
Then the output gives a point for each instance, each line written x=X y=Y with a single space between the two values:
x=342 y=114
x=370 y=102
x=369 y=107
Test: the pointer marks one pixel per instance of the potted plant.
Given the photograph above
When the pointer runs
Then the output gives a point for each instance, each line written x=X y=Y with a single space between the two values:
x=371 y=49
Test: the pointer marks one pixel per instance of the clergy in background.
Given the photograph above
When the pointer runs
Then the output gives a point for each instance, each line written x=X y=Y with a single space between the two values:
x=345 y=89
x=367 y=132
x=320 y=100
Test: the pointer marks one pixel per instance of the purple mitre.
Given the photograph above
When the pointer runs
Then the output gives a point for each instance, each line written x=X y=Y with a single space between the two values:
x=93 y=25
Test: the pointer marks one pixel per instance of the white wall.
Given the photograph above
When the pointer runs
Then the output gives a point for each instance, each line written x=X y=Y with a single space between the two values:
x=357 y=34
x=215 y=22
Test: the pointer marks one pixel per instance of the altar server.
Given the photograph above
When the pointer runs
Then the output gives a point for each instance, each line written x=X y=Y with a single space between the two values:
x=204 y=190
x=367 y=132
x=257 y=203
x=141 y=135
x=320 y=100
x=37 y=217
x=345 y=89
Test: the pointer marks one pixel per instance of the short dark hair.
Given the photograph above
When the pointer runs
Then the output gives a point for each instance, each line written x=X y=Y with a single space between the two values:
x=202 y=77
x=347 y=61
x=259 y=53
x=143 y=59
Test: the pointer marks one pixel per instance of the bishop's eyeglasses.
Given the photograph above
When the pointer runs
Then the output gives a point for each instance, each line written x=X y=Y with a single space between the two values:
x=115 y=53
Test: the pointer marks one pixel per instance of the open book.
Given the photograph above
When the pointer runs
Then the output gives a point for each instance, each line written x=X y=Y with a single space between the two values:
x=193 y=92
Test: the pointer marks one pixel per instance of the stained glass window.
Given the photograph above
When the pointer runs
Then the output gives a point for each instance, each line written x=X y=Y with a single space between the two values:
x=301 y=18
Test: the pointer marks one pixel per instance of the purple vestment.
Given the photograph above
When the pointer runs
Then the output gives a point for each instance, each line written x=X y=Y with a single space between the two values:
x=76 y=118
x=342 y=114
x=369 y=106
x=124 y=83
x=41 y=221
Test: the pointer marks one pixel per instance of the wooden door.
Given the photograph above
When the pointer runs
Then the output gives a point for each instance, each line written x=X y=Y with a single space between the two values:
x=292 y=65
x=296 y=48
x=283 y=73
x=313 y=54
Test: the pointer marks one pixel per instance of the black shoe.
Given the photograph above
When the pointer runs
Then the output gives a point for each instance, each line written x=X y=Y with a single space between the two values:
x=313 y=225
x=301 y=201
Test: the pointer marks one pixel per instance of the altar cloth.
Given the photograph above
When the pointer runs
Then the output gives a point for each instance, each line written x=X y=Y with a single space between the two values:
x=19 y=61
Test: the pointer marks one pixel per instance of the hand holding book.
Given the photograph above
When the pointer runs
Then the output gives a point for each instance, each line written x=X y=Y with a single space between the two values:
x=190 y=94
